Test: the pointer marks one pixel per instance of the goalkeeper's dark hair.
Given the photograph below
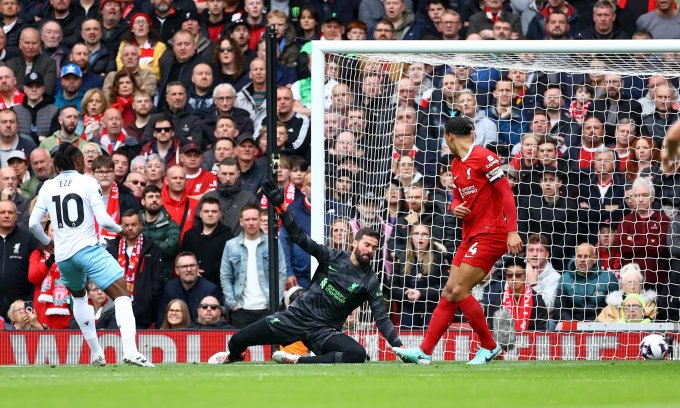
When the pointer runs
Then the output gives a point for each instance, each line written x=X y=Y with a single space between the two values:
x=367 y=232
x=66 y=156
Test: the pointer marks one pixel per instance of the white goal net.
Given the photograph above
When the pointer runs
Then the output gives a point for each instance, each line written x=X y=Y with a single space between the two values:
x=581 y=135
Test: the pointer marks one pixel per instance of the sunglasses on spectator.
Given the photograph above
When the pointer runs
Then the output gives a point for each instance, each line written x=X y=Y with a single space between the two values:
x=226 y=49
x=162 y=129
x=137 y=182
x=206 y=306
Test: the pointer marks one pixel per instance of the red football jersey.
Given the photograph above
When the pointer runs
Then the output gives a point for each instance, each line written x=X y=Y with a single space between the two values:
x=201 y=183
x=472 y=179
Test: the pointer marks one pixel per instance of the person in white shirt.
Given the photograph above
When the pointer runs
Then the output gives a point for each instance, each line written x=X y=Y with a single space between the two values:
x=73 y=200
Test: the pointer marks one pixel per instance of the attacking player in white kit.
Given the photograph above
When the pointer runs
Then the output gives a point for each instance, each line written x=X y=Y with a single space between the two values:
x=73 y=200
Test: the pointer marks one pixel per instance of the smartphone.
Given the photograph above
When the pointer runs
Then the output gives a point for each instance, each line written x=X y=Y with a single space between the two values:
x=28 y=305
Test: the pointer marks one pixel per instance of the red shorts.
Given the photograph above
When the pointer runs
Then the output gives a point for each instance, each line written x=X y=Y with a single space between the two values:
x=482 y=250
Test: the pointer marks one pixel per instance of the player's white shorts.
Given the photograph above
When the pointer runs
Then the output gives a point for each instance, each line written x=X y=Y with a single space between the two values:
x=94 y=262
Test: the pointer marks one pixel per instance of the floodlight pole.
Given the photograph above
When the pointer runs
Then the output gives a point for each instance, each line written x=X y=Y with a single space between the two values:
x=273 y=165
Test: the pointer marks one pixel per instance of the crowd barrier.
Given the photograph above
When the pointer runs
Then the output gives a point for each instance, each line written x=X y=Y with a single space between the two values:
x=69 y=348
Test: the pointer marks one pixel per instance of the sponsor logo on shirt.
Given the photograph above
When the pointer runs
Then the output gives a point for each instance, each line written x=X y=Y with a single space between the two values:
x=466 y=191
x=332 y=291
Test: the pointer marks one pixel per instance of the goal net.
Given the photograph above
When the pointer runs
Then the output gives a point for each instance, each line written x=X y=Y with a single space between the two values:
x=579 y=128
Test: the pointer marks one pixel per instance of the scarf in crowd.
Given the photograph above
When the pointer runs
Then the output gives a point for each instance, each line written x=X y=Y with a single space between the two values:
x=113 y=209
x=288 y=196
x=132 y=263
x=521 y=313
x=122 y=103
x=491 y=16
x=53 y=292
x=17 y=99
x=88 y=122
x=112 y=145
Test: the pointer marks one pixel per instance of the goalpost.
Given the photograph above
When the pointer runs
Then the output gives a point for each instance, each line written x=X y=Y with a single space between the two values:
x=351 y=178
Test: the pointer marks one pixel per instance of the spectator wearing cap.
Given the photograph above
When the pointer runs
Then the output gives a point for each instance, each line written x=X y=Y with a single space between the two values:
x=101 y=60
x=18 y=161
x=11 y=140
x=188 y=127
x=71 y=92
x=550 y=213
x=114 y=27
x=176 y=200
x=10 y=95
x=253 y=171
x=406 y=26
x=240 y=33
x=200 y=94
x=14 y=23
x=9 y=188
x=199 y=181
x=41 y=166
x=191 y=23
x=332 y=28
x=230 y=193
x=80 y=55
x=163 y=143
x=151 y=49
x=144 y=77
x=68 y=14
x=29 y=45
x=166 y=19
x=179 y=64
x=255 y=19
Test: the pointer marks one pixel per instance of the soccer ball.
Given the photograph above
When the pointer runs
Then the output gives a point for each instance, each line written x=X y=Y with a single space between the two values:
x=653 y=347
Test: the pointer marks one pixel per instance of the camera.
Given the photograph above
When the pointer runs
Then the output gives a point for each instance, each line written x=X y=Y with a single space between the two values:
x=28 y=306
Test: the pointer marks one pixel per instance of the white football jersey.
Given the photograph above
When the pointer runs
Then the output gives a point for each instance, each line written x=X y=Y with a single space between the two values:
x=69 y=198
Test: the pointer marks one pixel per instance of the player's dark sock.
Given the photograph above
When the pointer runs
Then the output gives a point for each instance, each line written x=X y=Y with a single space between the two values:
x=442 y=317
x=474 y=314
x=334 y=358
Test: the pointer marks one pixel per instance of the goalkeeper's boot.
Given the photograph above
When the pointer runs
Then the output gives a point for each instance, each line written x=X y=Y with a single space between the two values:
x=282 y=357
x=412 y=355
x=484 y=356
x=223 y=357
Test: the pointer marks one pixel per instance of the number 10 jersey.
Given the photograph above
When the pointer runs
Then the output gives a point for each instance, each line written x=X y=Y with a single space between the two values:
x=70 y=198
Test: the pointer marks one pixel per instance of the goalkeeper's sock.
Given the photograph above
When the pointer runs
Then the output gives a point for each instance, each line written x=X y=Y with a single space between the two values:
x=442 y=317
x=472 y=311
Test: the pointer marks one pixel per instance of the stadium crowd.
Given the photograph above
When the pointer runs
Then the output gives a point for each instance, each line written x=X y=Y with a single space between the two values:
x=166 y=100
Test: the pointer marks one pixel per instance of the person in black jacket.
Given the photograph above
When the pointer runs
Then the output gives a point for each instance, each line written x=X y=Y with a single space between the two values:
x=517 y=297
x=342 y=282
x=16 y=246
x=142 y=264
x=207 y=238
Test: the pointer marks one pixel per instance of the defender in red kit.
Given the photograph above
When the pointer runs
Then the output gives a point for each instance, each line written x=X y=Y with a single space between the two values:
x=484 y=201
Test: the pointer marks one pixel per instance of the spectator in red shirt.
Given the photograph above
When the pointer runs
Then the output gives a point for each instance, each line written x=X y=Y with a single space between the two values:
x=176 y=200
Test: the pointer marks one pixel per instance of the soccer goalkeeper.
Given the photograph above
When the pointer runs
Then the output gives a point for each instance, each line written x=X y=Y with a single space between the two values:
x=342 y=282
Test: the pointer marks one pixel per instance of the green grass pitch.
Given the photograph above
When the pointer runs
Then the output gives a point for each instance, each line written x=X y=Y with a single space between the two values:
x=639 y=384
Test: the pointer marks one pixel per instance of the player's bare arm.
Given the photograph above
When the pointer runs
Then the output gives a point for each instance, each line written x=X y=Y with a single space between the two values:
x=672 y=144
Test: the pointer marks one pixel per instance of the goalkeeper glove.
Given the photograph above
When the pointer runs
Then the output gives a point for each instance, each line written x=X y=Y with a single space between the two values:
x=271 y=190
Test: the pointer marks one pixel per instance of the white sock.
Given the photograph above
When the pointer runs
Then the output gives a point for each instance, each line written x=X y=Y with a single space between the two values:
x=127 y=325
x=84 y=315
